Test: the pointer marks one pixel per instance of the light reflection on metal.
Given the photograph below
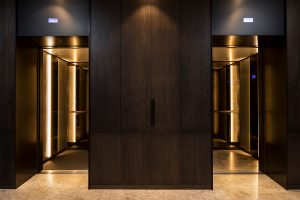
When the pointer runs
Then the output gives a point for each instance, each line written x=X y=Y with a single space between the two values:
x=50 y=41
x=72 y=104
x=234 y=103
x=48 y=106
x=74 y=41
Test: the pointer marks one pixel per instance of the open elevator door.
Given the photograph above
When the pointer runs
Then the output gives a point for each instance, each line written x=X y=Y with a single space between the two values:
x=62 y=20
x=29 y=156
x=235 y=104
x=64 y=110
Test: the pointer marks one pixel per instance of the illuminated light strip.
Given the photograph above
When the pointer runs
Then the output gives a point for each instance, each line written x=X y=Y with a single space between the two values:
x=72 y=101
x=231 y=104
x=48 y=105
x=231 y=97
x=74 y=97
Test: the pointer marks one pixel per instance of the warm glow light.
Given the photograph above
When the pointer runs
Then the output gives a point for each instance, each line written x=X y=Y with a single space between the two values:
x=231 y=96
x=75 y=55
x=74 y=41
x=256 y=42
x=231 y=103
x=48 y=105
x=50 y=41
x=234 y=104
x=72 y=104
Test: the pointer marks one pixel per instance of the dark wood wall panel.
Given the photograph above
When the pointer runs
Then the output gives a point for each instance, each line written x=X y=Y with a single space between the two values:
x=165 y=159
x=196 y=93
x=165 y=64
x=105 y=66
x=196 y=97
x=106 y=160
x=135 y=90
x=196 y=163
x=119 y=160
x=7 y=93
x=164 y=148
x=293 y=63
x=126 y=151
x=135 y=57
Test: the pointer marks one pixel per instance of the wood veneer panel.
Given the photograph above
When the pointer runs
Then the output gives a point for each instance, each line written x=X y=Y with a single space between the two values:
x=105 y=66
x=7 y=93
x=135 y=61
x=196 y=92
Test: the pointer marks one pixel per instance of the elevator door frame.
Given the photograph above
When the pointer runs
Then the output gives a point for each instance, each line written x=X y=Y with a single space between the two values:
x=219 y=41
x=40 y=158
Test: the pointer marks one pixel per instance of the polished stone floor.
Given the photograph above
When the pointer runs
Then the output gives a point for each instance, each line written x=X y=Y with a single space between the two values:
x=74 y=186
x=69 y=160
x=234 y=161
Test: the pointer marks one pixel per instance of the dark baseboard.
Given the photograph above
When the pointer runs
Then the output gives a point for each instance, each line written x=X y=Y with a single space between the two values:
x=153 y=187
x=293 y=187
x=7 y=187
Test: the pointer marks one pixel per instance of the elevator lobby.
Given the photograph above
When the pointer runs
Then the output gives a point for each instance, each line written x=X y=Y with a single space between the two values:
x=150 y=99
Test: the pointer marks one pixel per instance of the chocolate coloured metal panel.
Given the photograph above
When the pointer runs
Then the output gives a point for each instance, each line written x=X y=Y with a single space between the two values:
x=274 y=108
x=26 y=111
x=53 y=18
x=234 y=17
x=293 y=62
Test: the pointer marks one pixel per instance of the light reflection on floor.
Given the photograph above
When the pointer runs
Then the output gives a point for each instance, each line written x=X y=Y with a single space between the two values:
x=234 y=161
x=75 y=186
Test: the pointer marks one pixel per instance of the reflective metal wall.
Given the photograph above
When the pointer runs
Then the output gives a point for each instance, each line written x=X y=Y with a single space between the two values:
x=63 y=99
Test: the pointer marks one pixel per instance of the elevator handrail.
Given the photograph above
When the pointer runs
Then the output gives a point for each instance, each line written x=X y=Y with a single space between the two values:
x=225 y=111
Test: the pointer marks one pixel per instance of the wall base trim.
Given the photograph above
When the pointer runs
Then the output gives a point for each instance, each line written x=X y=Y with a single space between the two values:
x=8 y=187
x=293 y=187
x=153 y=187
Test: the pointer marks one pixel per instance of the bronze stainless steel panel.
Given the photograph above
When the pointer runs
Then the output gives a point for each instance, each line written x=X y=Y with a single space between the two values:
x=26 y=112
x=274 y=108
x=245 y=104
x=293 y=61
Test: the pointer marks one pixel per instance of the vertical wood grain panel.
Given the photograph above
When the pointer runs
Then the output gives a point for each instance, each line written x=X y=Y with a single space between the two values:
x=105 y=156
x=196 y=72
x=135 y=90
x=135 y=59
x=165 y=89
x=7 y=93
x=165 y=66
x=105 y=66
x=151 y=35
x=196 y=93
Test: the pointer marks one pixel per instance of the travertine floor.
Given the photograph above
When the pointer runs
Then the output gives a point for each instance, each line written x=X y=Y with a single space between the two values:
x=74 y=186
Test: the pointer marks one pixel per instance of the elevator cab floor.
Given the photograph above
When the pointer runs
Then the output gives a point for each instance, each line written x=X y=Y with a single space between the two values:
x=234 y=162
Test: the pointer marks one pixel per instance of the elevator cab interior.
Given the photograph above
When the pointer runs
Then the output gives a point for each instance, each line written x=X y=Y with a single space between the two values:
x=53 y=101
x=64 y=97
x=235 y=89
